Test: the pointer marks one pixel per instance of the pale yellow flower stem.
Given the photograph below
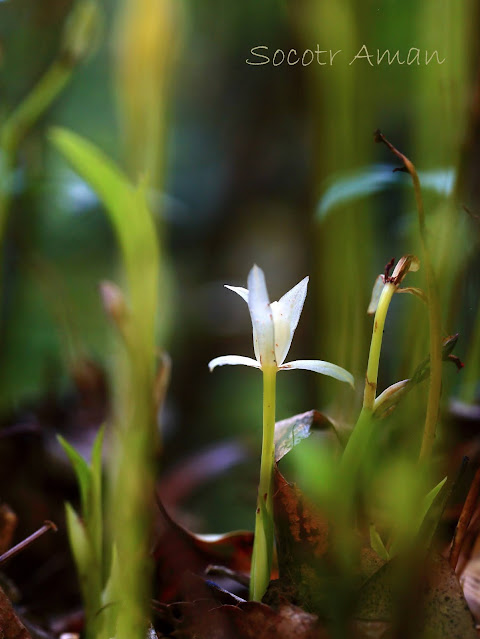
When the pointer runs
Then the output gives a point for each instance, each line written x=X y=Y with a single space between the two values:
x=264 y=528
x=370 y=391
x=358 y=441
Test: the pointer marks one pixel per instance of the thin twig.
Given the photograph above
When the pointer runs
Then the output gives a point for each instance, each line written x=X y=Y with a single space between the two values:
x=435 y=387
x=464 y=520
x=48 y=525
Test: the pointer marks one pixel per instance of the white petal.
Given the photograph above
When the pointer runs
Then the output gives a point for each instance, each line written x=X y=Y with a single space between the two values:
x=325 y=368
x=376 y=292
x=243 y=292
x=233 y=360
x=286 y=313
x=262 y=318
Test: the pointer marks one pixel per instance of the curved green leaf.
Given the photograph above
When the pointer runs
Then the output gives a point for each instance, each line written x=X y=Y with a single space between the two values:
x=129 y=215
x=82 y=473
x=368 y=180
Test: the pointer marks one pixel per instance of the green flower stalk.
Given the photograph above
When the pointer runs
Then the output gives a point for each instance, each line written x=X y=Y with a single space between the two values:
x=386 y=286
x=383 y=291
x=273 y=325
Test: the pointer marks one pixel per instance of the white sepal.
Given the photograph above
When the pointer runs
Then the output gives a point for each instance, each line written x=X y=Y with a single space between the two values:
x=233 y=360
x=318 y=366
x=239 y=290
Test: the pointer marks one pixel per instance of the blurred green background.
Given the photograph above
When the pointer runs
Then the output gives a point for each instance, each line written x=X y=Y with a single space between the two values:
x=241 y=161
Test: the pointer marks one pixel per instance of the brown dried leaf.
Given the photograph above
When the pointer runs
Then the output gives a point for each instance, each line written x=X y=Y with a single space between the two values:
x=302 y=541
x=179 y=551
x=434 y=596
x=249 y=620
x=10 y=625
x=297 y=522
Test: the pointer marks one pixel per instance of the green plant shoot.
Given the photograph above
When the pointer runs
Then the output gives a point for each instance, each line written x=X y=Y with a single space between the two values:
x=131 y=472
x=85 y=530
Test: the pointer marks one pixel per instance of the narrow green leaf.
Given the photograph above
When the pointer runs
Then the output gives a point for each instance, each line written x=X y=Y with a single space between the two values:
x=96 y=520
x=111 y=185
x=433 y=506
x=96 y=464
x=430 y=498
x=87 y=567
x=366 y=181
x=377 y=544
x=82 y=472
x=78 y=542
x=110 y=599
x=129 y=215
x=427 y=504
x=397 y=392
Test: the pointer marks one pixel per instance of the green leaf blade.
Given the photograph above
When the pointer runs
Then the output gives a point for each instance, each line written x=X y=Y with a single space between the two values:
x=96 y=520
x=377 y=544
x=82 y=473
x=127 y=209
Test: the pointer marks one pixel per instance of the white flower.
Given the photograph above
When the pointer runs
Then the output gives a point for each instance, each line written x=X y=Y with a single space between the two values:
x=274 y=324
